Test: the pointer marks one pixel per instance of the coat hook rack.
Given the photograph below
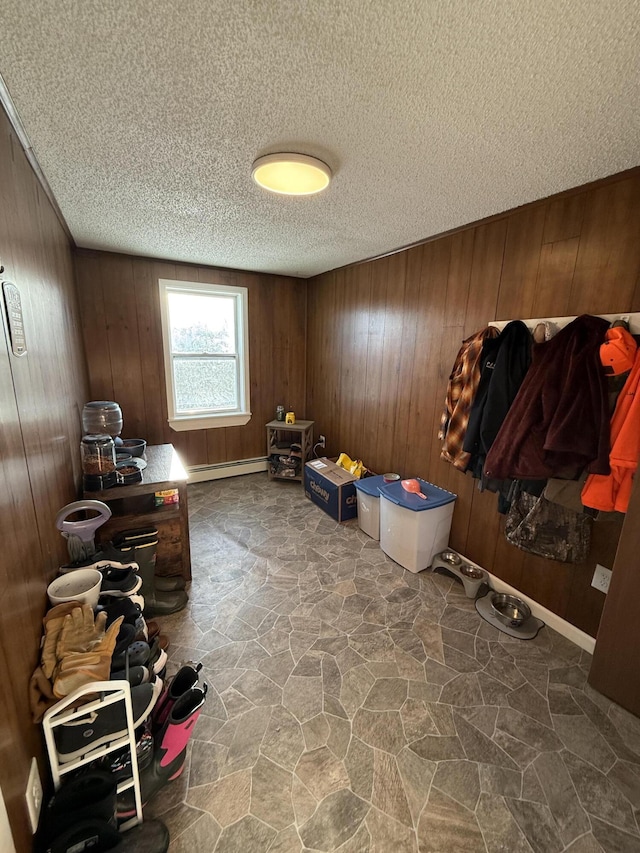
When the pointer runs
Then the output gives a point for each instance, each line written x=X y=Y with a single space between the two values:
x=633 y=319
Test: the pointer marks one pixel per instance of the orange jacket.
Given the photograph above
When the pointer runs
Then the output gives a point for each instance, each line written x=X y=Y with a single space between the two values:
x=612 y=491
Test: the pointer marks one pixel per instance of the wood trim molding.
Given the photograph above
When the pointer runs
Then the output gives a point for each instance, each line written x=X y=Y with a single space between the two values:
x=592 y=185
x=16 y=123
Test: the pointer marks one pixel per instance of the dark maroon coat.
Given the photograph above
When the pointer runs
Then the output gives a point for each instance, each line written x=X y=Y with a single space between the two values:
x=559 y=420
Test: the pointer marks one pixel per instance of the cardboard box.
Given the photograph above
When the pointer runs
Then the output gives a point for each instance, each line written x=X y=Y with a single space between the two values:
x=331 y=488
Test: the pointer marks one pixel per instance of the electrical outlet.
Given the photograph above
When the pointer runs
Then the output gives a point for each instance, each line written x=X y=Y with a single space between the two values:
x=601 y=578
x=34 y=795
x=322 y=441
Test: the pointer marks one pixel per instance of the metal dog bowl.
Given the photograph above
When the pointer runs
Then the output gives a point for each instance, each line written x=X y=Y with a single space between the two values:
x=471 y=572
x=509 y=609
x=450 y=557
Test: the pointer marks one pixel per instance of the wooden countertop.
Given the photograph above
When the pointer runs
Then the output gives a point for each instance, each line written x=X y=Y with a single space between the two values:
x=164 y=471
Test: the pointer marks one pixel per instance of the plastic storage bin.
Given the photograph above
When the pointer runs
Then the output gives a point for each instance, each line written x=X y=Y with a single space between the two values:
x=368 y=496
x=413 y=530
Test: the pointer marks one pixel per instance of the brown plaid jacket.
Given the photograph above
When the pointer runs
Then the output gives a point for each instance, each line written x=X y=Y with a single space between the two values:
x=462 y=387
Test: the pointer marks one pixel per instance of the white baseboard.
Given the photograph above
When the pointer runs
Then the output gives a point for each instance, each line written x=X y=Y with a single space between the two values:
x=201 y=473
x=580 y=638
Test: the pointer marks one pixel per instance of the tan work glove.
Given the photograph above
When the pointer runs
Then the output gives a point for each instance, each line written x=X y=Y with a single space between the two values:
x=41 y=696
x=53 y=622
x=78 y=668
x=79 y=631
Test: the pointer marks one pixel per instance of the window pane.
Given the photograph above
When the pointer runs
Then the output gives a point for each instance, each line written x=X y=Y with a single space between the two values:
x=202 y=323
x=205 y=384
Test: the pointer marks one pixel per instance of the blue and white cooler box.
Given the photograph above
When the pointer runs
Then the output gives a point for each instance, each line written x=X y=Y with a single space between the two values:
x=368 y=493
x=413 y=530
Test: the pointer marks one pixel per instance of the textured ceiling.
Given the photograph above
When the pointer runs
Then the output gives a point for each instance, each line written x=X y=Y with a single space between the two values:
x=146 y=115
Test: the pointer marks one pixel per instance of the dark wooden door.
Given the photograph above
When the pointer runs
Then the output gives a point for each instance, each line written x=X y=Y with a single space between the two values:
x=615 y=670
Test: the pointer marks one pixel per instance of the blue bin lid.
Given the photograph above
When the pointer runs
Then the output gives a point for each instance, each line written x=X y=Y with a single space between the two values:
x=436 y=496
x=369 y=485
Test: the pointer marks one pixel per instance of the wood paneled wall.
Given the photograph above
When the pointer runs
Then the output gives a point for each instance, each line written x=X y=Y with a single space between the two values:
x=120 y=307
x=383 y=336
x=40 y=398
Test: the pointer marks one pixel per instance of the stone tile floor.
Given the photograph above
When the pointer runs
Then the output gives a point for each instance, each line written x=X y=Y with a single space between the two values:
x=356 y=707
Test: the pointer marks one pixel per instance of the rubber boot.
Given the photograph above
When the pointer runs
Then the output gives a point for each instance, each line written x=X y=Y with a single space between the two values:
x=157 y=603
x=152 y=836
x=143 y=547
x=170 y=583
x=88 y=797
x=133 y=538
x=92 y=834
x=170 y=751
x=185 y=679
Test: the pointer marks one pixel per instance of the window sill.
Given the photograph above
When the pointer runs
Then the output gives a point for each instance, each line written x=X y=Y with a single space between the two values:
x=209 y=421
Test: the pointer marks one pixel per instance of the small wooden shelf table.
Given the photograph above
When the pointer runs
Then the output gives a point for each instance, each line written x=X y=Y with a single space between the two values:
x=301 y=433
x=133 y=507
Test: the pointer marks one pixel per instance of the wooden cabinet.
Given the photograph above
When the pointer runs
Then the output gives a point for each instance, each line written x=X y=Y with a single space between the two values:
x=280 y=437
x=134 y=507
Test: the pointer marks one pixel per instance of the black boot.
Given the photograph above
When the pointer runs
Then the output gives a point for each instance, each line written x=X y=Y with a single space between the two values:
x=137 y=537
x=84 y=807
x=141 y=546
x=152 y=836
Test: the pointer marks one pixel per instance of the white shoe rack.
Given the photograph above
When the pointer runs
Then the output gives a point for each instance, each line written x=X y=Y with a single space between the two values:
x=73 y=707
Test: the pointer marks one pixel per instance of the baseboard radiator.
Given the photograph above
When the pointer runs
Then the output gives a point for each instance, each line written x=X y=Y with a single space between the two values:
x=200 y=473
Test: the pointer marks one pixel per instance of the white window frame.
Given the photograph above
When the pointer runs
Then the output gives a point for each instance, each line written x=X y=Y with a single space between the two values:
x=208 y=419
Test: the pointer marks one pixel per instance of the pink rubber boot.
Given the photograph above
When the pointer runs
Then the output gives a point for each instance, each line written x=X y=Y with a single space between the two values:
x=184 y=679
x=170 y=751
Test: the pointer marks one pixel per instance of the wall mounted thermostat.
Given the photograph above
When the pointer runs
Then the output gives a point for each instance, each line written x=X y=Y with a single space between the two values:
x=15 y=319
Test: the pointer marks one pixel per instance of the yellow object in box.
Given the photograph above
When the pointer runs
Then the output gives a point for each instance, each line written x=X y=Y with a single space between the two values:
x=290 y=418
x=167 y=496
x=358 y=469
x=353 y=466
x=344 y=461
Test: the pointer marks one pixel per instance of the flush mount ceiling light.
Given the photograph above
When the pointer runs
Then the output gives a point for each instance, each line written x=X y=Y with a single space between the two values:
x=291 y=174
